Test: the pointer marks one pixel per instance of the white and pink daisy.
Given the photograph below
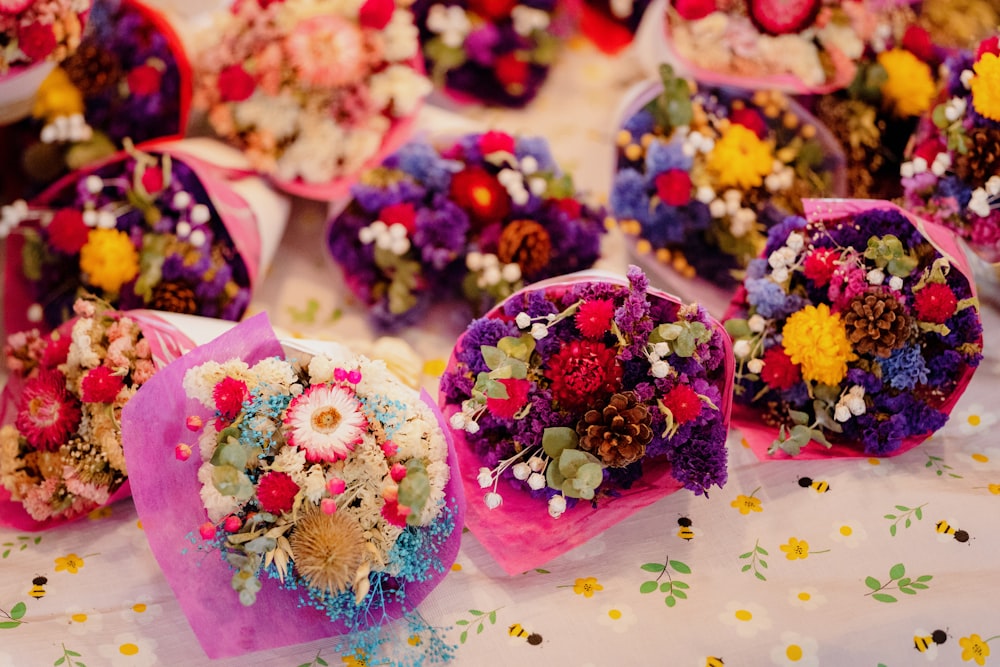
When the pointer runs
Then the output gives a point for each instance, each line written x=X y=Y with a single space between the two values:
x=325 y=422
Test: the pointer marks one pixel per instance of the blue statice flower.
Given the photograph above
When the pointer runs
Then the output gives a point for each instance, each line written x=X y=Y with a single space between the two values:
x=905 y=368
x=538 y=148
x=770 y=299
x=663 y=156
x=628 y=196
x=425 y=164
x=641 y=123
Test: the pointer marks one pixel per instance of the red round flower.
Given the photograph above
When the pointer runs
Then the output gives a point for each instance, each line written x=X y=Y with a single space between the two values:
x=229 y=395
x=692 y=10
x=100 y=385
x=402 y=213
x=376 y=14
x=582 y=373
x=47 y=414
x=988 y=45
x=481 y=195
x=683 y=402
x=67 y=233
x=235 y=84
x=276 y=492
x=512 y=72
x=493 y=141
x=492 y=10
x=918 y=41
x=152 y=180
x=935 y=303
x=36 y=40
x=820 y=265
x=56 y=348
x=674 y=187
x=750 y=119
x=779 y=372
x=517 y=396
x=570 y=206
x=594 y=317
x=929 y=149
x=144 y=80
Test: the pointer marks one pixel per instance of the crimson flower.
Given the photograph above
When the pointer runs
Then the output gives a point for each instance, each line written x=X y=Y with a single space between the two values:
x=276 y=492
x=594 y=317
x=235 y=84
x=517 y=396
x=36 y=40
x=47 y=413
x=402 y=213
x=582 y=373
x=66 y=231
x=144 y=80
x=492 y=10
x=935 y=303
x=152 y=180
x=683 y=402
x=229 y=395
x=376 y=14
x=692 y=10
x=481 y=195
x=512 y=72
x=779 y=372
x=100 y=385
x=493 y=141
x=750 y=119
x=674 y=187
x=820 y=265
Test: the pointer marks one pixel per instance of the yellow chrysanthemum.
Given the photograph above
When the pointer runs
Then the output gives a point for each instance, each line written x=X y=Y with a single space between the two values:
x=986 y=86
x=740 y=159
x=909 y=89
x=816 y=339
x=109 y=259
x=57 y=96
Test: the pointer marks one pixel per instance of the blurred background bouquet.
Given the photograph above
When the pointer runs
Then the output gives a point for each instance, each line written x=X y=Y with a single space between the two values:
x=476 y=219
x=315 y=482
x=702 y=172
x=952 y=175
x=856 y=331
x=60 y=444
x=157 y=228
x=494 y=52
x=589 y=397
x=312 y=91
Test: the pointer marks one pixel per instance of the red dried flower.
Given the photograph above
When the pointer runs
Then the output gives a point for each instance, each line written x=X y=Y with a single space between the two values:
x=571 y=207
x=935 y=303
x=918 y=41
x=152 y=180
x=988 y=45
x=512 y=72
x=493 y=141
x=395 y=513
x=36 y=40
x=481 y=195
x=692 y=10
x=67 y=233
x=376 y=14
x=750 y=119
x=517 y=396
x=683 y=402
x=492 y=10
x=47 y=413
x=820 y=265
x=779 y=372
x=235 y=84
x=56 y=348
x=594 y=317
x=276 y=492
x=100 y=385
x=674 y=187
x=402 y=213
x=144 y=80
x=583 y=372
x=229 y=395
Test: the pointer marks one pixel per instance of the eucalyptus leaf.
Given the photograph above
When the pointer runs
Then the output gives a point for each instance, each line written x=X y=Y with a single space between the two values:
x=555 y=439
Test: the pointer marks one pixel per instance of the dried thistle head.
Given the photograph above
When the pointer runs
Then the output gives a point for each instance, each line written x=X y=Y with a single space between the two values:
x=327 y=550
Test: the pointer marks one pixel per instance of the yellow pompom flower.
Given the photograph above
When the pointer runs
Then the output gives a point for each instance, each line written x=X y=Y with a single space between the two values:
x=986 y=86
x=57 y=96
x=909 y=89
x=816 y=339
x=109 y=259
x=740 y=159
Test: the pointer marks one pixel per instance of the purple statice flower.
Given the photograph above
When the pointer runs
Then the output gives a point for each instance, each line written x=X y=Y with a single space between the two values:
x=905 y=368
x=440 y=232
x=456 y=387
x=632 y=316
x=664 y=156
x=757 y=268
x=628 y=196
x=944 y=365
x=872 y=384
x=700 y=461
x=374 y=198
x=641 y=123
x=777 y=235
x=484 y=331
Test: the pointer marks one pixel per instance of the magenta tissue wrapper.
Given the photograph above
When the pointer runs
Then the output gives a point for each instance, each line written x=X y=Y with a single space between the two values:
x=166 y=495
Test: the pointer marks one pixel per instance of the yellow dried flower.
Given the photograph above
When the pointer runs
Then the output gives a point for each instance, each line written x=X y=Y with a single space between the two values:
x=909 y=87
x=817 y=340
x=986 y=86
x=740 y=159
x=109 y=259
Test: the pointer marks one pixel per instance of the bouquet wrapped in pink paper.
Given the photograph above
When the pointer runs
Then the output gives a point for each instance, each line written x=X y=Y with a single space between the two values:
x=34 y=36
x=60 y=441
x=855 y=333
x=313 y=91
x=580 y=400
x=317 y=489
x=159 y=228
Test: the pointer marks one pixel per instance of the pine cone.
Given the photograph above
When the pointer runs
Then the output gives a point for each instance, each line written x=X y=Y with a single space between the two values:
x=982 y=159
x=877 y=323
x=175 y=298
x=93 y=69
x=527 y=243
x=618 y=433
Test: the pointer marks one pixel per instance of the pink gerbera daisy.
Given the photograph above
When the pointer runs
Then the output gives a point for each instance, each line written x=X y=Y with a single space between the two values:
x=47 y=414
x=325 y=421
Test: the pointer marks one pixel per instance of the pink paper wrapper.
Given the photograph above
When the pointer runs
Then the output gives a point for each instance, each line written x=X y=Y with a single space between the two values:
x=519 y=534
x=167 y=343
x=760 y=436
x=237 y=216
x=166 y=495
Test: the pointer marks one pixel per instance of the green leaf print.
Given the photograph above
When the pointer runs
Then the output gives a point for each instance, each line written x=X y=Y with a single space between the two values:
x=67 y=658
x=757 y=562
x=673 y=588
x=898 y=581
x=940 y=468
x=14 y=616
x=479 y=620
x=19 y=543
x=905 y=514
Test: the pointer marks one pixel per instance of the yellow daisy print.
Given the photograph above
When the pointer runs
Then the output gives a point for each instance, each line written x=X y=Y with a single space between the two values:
x=975 y=649
x=796 y=549
x=69 y=563
x=587 y=587
x=746 y=504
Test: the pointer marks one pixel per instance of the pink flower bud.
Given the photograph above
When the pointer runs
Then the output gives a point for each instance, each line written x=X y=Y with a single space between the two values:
x=328 y=505
x=194 y=423
x=336 y=486
x=389 y=448
x=354 y=377
x=398 y=472
x=182 y=452
x=232 y=524
x=207 y=530
x=339 y=374
x=391 y=494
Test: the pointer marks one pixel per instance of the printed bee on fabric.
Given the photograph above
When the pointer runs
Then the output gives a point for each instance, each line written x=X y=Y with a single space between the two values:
x=38 y=587
x=945 y=528
x=712 y=661
x=818 y=486
x=928 y=643
x=685 y=532
x=532 y=638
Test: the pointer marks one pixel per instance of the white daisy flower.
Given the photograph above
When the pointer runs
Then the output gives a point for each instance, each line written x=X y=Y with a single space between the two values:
x=326 y=422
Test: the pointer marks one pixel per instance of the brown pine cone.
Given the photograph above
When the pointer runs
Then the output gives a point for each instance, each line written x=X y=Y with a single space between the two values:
x=93 y=69
x=618 y=433
x=175 y=298
x=982 y=159
x=527 y=243
x=876 y=323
